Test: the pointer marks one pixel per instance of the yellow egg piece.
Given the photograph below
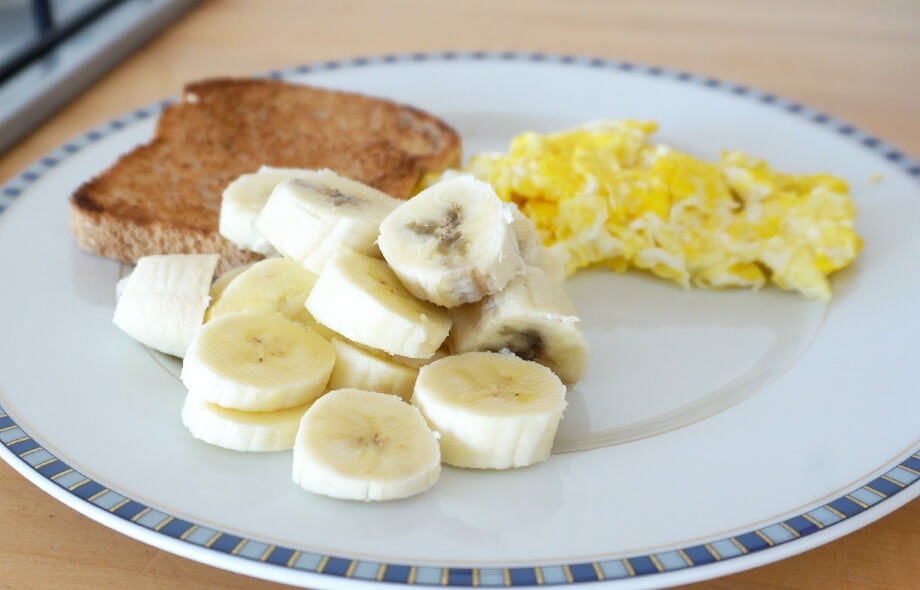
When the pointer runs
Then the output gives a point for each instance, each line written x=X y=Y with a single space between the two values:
x=604 y=195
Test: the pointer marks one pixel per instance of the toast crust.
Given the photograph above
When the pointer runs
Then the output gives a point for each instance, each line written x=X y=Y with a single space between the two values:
x=164 y=196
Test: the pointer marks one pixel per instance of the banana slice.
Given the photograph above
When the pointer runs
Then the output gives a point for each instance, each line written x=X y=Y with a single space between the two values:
x=243 y=200
x=452 y=243
x=531 y=317
x=257 y=361
x=360 y=298
x=276 y=285
x=363 y=445
x=528 y=239
x=239 y=430
x=531 y=246
x=163 y=301
x=311 y=217
x=357 y=367
x=492 y=410
x=221 y=283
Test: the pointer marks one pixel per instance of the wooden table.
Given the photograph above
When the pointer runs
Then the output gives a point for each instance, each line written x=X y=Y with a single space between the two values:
x=856 y=59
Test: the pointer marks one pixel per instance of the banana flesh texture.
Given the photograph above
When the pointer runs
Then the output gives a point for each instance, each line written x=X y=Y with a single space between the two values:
x=531 y=246
x=243 y=200
x=361 y=445
x=257 y=361
x=362 y=299
x=452 y=243
x=492 y=410
x=239 y=430
x=162 y=301
x=357 y=367
x=374 y=364
x=533 y=318
x=273 y=285
x=313 y=216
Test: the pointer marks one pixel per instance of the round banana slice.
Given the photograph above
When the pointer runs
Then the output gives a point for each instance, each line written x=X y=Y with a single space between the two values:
x=358 y=367
x=360 y=298
x=163 y=301
x=492 y=410
x=452 y=243
x=239 y=430
x=243 y=200
x=362 y=445
x=275 y=285
x=221 y=283
x=311 y=217
x=257 y=361
x=531 y=317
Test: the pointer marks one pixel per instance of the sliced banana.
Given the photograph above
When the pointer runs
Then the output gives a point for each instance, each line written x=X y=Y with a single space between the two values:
x=360 y=298
x=452 y=243
x=492 y=410
x=528 y=239
x=257 y=361
x=311 y=217
x=276 y=285
x=243 y=200
x=221 y=283
x=531 y=317
x=362 y=445
x=239 y=430
x=357 y=367
x=531 y=246
x=162 y=301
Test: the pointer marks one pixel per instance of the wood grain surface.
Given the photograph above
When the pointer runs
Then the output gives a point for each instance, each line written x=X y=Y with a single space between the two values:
x=858 y=60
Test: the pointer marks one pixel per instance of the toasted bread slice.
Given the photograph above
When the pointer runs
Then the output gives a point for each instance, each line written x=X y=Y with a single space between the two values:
x=164 y=196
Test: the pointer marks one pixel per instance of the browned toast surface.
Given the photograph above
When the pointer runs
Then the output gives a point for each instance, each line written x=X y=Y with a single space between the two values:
x=164 y=196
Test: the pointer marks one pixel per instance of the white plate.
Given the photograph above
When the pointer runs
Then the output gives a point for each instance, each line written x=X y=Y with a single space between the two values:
x=723 y=430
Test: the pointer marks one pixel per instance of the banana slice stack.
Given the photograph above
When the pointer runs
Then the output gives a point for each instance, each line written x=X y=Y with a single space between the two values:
x=379 y=339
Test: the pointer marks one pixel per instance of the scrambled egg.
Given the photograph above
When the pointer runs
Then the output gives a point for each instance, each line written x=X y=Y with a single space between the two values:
x=602 y=194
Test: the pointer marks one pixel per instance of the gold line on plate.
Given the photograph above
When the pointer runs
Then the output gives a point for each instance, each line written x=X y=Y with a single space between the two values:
x=813 y=520
x=856 y=501
x=790 y=529
x=738 y=544
x=351 y=568
x=629 y=567
x=910 y=469
x=766 y=539
x=30 y=451
x=119 y=505
x=165 y=522
x=46 y=462
x=294 y=557
x=835 y=511
x=217 y=535
x=322 y=564
x=61 y=474
x=539 y=575
x=892 y=480
x=98 y=494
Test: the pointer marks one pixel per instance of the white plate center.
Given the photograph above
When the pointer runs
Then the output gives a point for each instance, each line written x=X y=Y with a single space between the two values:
x=665 y=358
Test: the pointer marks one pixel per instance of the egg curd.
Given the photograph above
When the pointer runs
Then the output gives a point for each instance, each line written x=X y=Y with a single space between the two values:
x=602 y=194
